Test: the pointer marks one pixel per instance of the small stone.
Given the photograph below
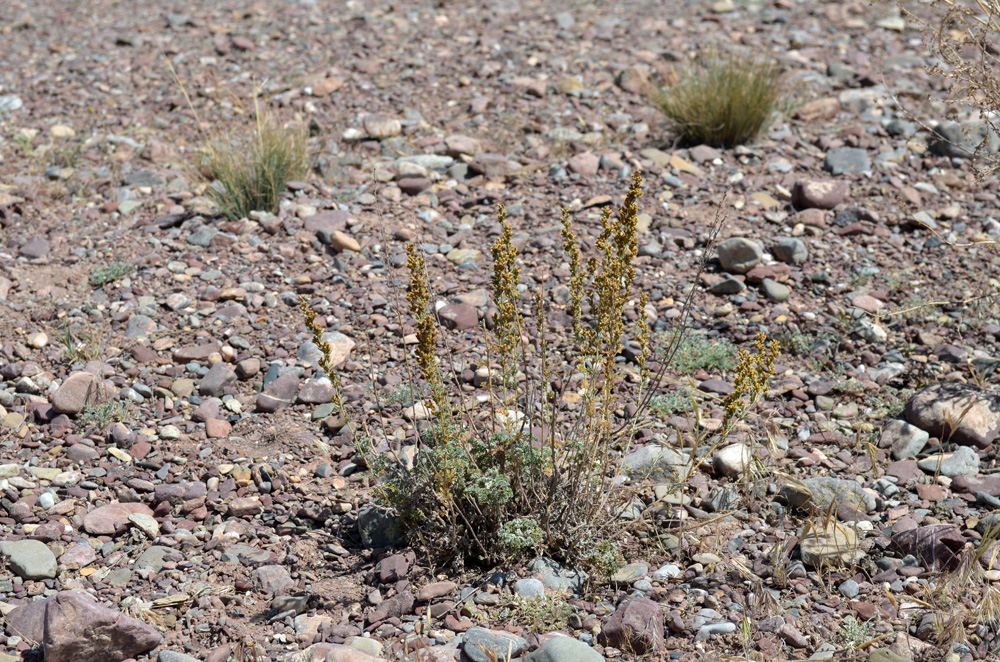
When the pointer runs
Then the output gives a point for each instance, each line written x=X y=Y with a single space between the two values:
x=585 y=164
x=380 y=128
x=340 y=241
x=215 y=382
x=790 y=250
x=850 y=588
x=629 y=573
x=835 y=545
x=529 y=588
x=905 y=440
x=776 y=291
x=37 y=340
x=739 y=255
x=279 y=394
x=636 y=626
x=818 y=110
x=846 y=160
x=732 y=460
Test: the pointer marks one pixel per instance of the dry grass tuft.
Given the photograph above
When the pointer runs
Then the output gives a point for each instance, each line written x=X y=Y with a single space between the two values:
x=251 y=168
x=723 y=101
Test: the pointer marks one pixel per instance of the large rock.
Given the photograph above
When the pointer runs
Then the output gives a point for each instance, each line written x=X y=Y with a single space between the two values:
x=739 y=255
x=962 y=139
x=819 y=193
x=822 y=492
x=564 y=649
x=105 y=520
x=279 y=394
x=482 y=645
x=636 y=626
x=960 y=413
x=80 y=390
x=77 y=628
x=29 y=559
x=654 y=462
x=458 y=316
x=215 y=382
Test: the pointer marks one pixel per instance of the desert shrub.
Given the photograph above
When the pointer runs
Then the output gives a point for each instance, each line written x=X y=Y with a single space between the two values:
x=723 y=100
x=250 y=168
x=515 y=472
x=518 y=478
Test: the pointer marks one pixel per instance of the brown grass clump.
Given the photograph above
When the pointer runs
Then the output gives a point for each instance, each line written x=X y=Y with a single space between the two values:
x=723 y=100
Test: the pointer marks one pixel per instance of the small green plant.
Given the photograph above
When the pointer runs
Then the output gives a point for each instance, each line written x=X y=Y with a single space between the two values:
x=853 y=633
x=81 y=343
x=399 y=395
x=723 y=101
x=672 y=404
x=109 y=273
x=251 y=168
x=103 y=415
x=698 y=353
x=543 y=614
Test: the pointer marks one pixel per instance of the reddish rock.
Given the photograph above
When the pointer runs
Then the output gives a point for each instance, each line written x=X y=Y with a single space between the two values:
x=812 y=217
x=246 y=507
x=335 y=219
x=217 y=428
x=436 y=590
x=458 y=316
x=413 y=185
x=80 y=390
x=585 y=164
x=77 y=628
x=195 y=352
x=279 y=394
x=819 y=194
x=105 y=520
x=636 y=626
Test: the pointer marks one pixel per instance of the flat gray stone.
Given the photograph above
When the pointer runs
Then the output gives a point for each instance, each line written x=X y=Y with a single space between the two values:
x=564 y=649
x=29 y=559
x=962 y=462
x=482 y=645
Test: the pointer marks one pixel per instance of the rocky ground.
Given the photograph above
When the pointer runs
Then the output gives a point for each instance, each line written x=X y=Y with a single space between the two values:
x=209 y=521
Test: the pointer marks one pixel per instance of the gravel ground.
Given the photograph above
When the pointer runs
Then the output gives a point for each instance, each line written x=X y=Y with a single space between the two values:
x=227 y=513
